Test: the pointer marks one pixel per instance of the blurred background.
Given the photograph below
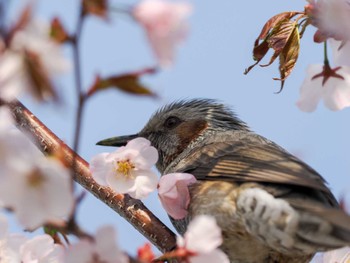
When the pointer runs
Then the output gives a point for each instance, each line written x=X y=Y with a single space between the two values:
x=209 y=64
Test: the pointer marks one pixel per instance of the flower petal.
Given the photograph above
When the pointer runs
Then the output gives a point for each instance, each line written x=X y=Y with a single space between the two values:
x=145 y=183
x=203 y=234
x=100 y=167
x=311 y=89
x=173 y=193
x=336 y=95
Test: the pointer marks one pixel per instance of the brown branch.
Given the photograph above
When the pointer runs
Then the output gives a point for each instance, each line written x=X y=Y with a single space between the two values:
x=134 y=211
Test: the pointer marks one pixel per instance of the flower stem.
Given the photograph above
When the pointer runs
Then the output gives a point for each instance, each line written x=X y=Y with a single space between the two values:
x=325 y=53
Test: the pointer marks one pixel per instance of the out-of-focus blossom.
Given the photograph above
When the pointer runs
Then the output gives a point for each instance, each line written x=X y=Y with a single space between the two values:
x=128 y=169
x=201 y=241
x=341 y=255
x=335 y=92
x=9 y=243
x=16 y=248
x=41 y=249
x=29 y=62
x=103 y=249
x=38 y=190
x=331 y=17
x=165 y=25
x=173 y=193
x=341 y=52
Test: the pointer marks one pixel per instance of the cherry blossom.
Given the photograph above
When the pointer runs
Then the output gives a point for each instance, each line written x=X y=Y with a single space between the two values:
x=128 y=169
x=41 y=249
x=9 y=243
x=165 y=25
x=201 y=240
x=32 y=43
x=173 y=193
x=16 y=247
x=42 y=185
x=103 y=249
x=331 y=17
x=341 y=52
x=335 y=92
x=341 y=255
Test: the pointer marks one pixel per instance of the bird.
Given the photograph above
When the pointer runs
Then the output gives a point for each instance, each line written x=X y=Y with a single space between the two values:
x=271 y=206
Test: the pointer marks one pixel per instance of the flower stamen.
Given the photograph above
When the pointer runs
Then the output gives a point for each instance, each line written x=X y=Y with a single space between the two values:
x=125 y=168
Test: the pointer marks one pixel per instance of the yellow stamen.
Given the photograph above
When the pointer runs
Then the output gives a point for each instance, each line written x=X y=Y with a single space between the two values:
x=125 y=167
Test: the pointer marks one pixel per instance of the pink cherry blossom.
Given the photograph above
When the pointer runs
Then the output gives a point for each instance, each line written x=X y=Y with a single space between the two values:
x=128 y=169
x=165 y=26
x=332 y=18
x=103 y=249
x=341 y=255
x=173 y=193
x=335 y=92
x=202 y=239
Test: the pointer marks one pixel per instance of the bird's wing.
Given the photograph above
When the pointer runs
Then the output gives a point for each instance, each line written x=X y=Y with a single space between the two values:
x=292 y=223
x=254 y=159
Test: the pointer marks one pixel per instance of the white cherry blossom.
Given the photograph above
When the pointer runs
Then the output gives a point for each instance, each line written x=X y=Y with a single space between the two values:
x=335 y=91
x=201 y=240
x=128 y=169
x=34 y=38
x=103 y=249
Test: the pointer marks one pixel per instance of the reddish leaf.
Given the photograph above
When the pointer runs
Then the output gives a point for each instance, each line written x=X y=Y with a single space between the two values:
x=21 y=22
x=128 y=83
x=96 y=7
x=145 y=253
x=259 y=53
x=273 y=21
x=57 y=31
x=42 y=88
x=289 y=54
x=279 y=37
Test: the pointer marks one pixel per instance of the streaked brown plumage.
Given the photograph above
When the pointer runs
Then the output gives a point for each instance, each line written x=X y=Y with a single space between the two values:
x=271 y=206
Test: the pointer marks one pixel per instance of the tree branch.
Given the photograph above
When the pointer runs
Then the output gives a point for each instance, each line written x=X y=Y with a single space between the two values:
x=134 y=211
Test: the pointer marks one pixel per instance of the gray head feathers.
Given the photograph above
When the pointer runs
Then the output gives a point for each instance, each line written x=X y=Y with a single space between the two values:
x=216 y=114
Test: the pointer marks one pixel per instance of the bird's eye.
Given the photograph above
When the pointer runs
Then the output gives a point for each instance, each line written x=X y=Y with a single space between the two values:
x=171 y=122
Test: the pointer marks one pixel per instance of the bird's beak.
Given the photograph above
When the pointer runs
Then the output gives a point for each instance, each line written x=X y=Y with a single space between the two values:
x=117 y=141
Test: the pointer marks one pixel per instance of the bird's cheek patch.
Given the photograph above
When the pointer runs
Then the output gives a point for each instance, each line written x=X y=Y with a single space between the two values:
x=189 y=131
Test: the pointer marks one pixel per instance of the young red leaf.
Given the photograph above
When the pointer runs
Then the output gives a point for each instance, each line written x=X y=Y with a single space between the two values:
x=128 y=83
x=22 y=21
x=96 y=7
x=289 y=54
x=57 y=31
x=273 y=21
x=279 y=38
x=42 y=88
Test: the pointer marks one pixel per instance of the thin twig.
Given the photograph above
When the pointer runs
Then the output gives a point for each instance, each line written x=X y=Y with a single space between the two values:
x=75 y=40
x=134 y=211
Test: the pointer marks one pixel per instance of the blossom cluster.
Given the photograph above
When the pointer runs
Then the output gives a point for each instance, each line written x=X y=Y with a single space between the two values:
x=332 y=84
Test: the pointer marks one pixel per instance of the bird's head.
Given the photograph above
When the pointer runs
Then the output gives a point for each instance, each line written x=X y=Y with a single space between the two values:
x=181 y=124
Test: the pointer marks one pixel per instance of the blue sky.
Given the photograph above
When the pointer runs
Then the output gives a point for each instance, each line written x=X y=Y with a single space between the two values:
x=209 y=64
